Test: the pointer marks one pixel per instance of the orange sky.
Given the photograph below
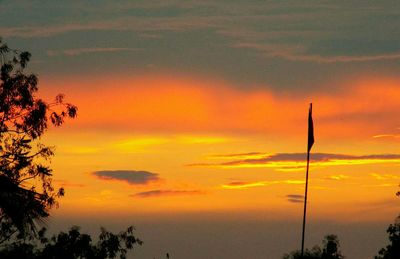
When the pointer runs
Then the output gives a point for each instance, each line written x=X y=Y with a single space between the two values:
x=212 y=147
x=199 y=108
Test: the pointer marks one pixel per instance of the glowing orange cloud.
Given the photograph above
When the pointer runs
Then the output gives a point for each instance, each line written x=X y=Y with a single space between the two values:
x=295 y=161
x=159 y=103
x=337 y=177
x=246 y=185
x=249 y=155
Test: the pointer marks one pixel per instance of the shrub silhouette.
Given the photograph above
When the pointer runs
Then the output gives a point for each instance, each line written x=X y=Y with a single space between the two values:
x=330 y=250
x=72 y=245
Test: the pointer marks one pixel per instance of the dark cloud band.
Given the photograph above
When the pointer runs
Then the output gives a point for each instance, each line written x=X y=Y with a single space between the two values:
x=129 y=176
x=295 y=198
x=160 y=193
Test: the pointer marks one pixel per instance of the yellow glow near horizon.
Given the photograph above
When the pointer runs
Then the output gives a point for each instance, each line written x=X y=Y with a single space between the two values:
x=162 y=126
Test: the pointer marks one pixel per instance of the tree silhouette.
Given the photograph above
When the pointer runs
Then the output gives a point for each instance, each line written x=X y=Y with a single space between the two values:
x=392 y=251
x=26 y=190
x=330 y=250
x=73 y=245
x=314 y=253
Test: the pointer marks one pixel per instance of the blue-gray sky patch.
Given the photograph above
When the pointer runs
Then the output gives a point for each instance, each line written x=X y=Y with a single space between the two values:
x=246 y=42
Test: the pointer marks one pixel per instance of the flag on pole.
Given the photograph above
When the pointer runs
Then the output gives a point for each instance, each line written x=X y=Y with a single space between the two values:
x=310 y=129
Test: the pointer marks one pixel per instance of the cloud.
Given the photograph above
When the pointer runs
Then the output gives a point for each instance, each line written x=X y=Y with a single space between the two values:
x=380 y=185
x=245 y=185
x=50 y=30
x=385 y=176
x=337 y=177
x=395 y=136
x=295 y=198
x=246 y=25
x=380 y=204
x=255 y=111
x=129 y=176
x=80 y=51
x=68 y=184
x=137 y=24
x=238 y=155
x=296 y=161
x=294 y=53
x=161 y=193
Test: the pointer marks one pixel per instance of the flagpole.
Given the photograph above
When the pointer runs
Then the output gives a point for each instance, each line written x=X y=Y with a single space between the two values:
x=309 y=145
x=305 y=206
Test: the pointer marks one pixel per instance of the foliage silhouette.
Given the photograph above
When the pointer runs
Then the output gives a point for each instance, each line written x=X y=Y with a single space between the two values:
x=73 y=245
x=392 y=251
x=330 y=250
x=26 y=188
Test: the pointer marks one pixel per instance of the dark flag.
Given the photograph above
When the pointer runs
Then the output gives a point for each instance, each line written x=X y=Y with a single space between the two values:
x=310 y=129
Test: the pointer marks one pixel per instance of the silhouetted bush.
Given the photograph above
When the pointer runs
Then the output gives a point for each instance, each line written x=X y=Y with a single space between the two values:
x=72 y=245
x=330 y=250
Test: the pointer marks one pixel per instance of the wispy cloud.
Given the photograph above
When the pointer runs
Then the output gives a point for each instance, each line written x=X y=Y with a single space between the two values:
x=294 y=53
x=385 y=176
x=50 y=30
x=80 y=51
x=386 y=136
x=296 y=161
x=138 y=24
x=129 y=176
x=380 y=185
x=161 y=193
x=246 y=185
x=69 y=184
x=243 y=23
x=374 y=205
x=248 y=155
x=295 y=198
x=337 y=177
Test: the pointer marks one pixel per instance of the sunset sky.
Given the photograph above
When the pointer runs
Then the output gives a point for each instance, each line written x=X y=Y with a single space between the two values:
x=192 y=120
